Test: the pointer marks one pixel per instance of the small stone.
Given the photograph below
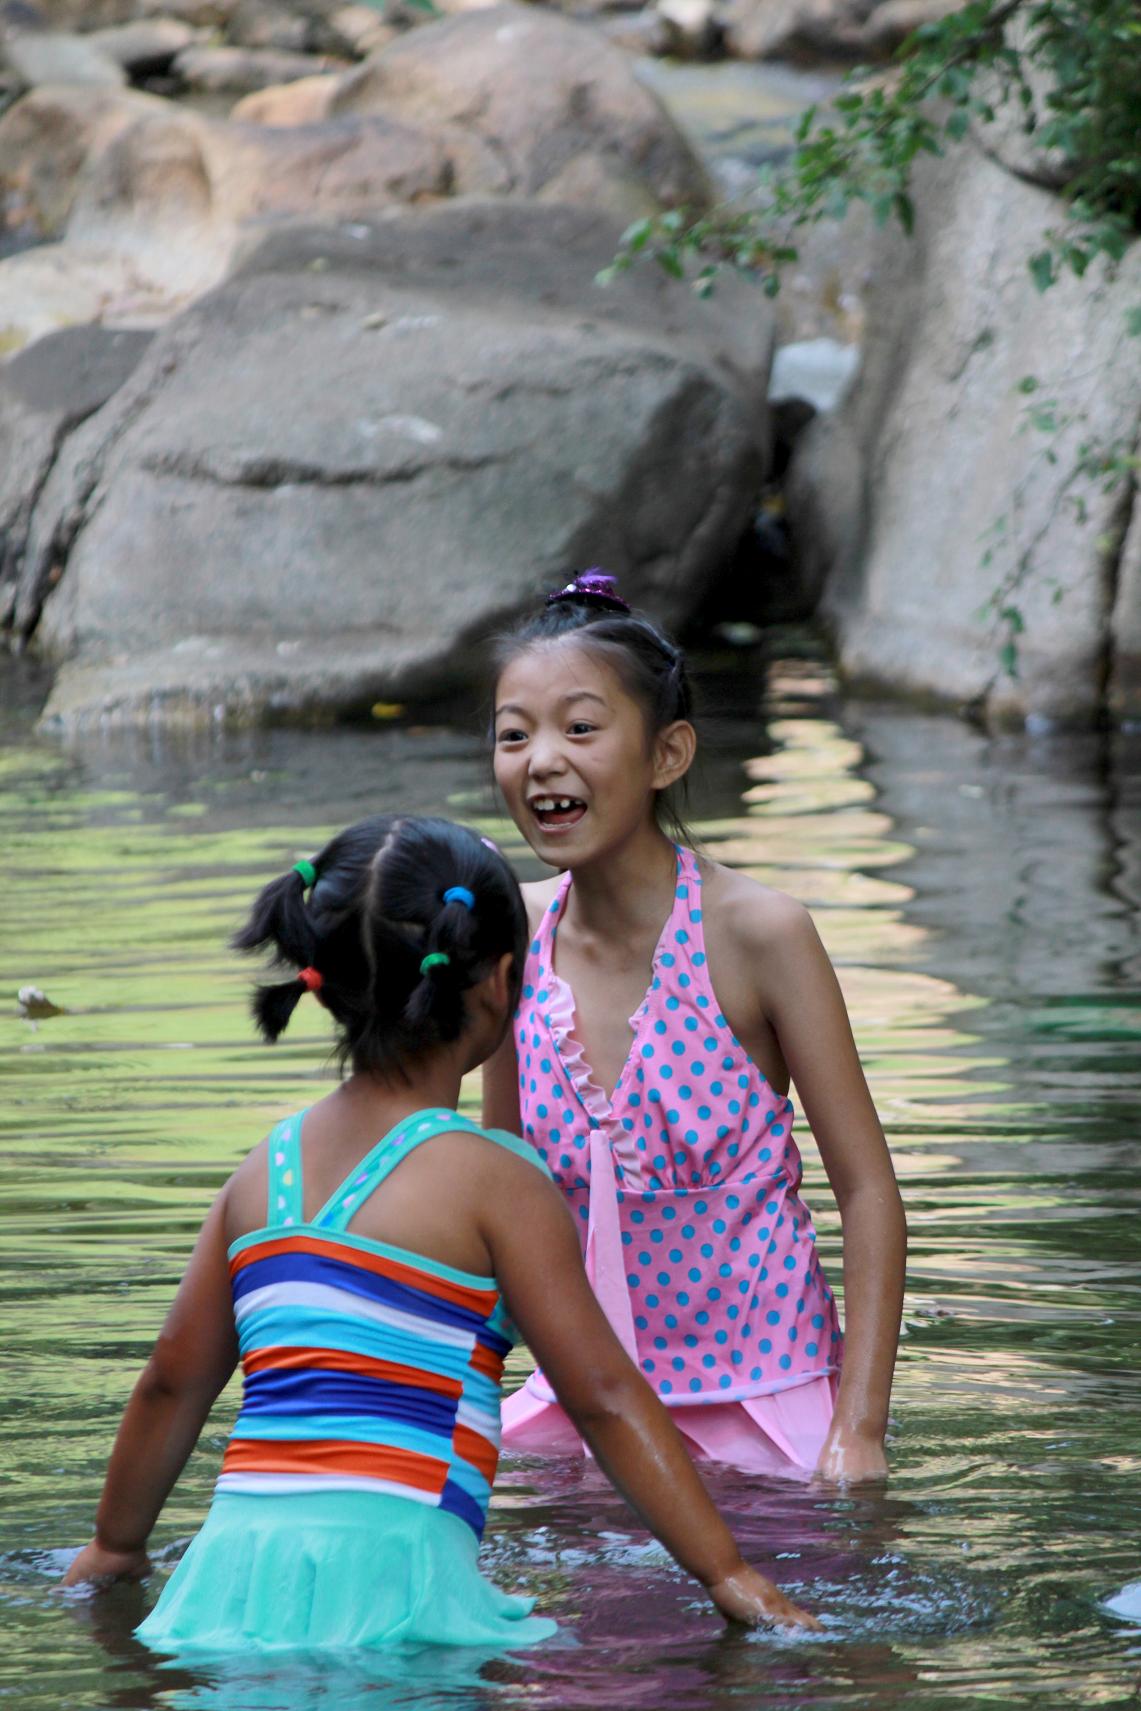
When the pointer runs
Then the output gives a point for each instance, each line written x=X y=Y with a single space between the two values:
x=46 y=56
x=361 y=29
x=693 y=28
x=304 y=102
x=238 y=71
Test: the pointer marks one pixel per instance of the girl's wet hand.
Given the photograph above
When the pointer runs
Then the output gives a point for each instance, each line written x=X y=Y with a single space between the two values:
x=850 y=1460
x=95 y=1563
x=748 y=1597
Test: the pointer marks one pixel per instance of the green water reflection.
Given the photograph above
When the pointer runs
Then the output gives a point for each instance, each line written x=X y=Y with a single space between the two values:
x=981 y=901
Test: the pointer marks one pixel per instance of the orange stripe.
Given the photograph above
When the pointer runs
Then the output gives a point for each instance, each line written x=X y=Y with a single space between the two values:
x=326 y=1455
x=343 y=1360
x=487 y=1362
x=475 y=1449
x=459 y=1294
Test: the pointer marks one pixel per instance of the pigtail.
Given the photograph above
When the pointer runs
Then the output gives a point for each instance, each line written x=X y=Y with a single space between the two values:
x=279 y=918
x=272 y=1006
x=447 y=968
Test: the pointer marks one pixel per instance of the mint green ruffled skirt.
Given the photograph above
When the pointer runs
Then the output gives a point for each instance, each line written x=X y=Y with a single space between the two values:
x=334 y=1569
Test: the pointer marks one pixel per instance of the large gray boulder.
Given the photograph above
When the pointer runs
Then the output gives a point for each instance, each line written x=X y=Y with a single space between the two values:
x=930 y=491
x=336 y=473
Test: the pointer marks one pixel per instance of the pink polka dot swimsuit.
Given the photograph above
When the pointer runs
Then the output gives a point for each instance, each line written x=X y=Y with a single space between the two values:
x=684 y=1183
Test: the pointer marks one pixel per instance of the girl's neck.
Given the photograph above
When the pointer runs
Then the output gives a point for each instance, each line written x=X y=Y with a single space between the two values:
x=433 y=1083
x=628 y=889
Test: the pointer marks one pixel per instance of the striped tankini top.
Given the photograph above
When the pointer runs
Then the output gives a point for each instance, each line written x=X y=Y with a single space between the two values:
x=365 y=1367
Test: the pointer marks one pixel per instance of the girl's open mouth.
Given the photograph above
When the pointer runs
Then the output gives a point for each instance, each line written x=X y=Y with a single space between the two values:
x=557 y=813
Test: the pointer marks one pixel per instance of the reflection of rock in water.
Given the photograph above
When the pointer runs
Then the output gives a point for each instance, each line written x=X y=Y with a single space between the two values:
x=1028 y=851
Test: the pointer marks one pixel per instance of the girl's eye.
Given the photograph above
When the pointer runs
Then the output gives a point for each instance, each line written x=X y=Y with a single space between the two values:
x=511 y=735
x=581 y=728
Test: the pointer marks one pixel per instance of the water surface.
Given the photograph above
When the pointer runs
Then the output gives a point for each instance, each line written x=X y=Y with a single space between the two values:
x=980 y=898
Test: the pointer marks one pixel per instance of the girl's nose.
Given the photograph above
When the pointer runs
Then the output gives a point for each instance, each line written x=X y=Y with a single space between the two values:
x=545 y=757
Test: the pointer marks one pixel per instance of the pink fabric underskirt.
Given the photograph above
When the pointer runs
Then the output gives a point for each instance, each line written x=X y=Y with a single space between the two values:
x=782 y=1433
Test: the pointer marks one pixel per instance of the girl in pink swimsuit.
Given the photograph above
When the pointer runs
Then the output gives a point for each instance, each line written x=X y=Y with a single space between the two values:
x=667 y=1001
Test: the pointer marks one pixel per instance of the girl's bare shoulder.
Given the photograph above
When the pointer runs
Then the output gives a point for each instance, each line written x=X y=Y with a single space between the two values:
x=759 y=916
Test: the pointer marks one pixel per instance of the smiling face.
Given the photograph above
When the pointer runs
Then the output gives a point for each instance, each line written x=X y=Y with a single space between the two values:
x=577 y=767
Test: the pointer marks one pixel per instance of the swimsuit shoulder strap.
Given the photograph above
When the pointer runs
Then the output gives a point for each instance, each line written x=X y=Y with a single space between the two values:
x=283 y=1171
x=395 y=1146
x=540 y=945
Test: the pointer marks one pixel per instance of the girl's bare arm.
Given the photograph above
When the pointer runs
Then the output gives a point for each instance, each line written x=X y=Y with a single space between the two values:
x=192 y=1360
x=536 y=1257
x=806 y=1008
x=501 y=1088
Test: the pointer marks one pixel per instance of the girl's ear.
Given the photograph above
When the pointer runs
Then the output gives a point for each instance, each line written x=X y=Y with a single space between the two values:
x=674 y=749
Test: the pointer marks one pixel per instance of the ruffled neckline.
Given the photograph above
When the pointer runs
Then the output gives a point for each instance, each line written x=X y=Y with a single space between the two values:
x=561 y=1012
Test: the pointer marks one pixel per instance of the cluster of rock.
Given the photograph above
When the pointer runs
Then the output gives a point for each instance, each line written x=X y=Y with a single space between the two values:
x=306 y=384
x=308 y=397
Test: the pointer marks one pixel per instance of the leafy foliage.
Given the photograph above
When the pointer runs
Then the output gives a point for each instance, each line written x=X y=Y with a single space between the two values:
x=1070 y=71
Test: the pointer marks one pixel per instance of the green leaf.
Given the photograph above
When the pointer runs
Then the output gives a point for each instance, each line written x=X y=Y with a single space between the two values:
x=1028 y=383
x=1012 y=616
x=637 y=236
x=1133 y=321
x=1008 y=658
x=1042 y=270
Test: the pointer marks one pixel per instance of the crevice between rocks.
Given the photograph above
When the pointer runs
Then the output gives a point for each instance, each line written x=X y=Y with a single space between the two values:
x=1111 y=581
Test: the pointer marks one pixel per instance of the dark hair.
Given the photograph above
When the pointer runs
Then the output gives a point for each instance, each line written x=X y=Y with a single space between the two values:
x=651 y=668
x=375 y=910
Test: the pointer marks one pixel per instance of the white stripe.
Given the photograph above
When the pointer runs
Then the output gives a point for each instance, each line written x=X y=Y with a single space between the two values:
x=332 y=1300
x=281 y=1484
x=478 y=1420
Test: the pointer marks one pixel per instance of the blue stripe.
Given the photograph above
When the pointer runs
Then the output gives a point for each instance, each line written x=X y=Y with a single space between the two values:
x=347 y=1428
x=469 y=1479
x=342 y=1274
x=455 y=1499
x=316 y=1328
x=492 y=1340
x=314 y=1391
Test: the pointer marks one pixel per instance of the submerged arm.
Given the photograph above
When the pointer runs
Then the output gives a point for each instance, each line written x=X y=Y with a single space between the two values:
x=811 y=1022
x=192 y=1360
x=537 y=1259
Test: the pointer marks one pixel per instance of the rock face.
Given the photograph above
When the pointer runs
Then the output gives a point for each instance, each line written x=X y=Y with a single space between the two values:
x=930 y=465
x=222 y=541
x=45 y=393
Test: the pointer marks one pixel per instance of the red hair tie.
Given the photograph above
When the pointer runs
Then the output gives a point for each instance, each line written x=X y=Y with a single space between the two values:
x=311 y=980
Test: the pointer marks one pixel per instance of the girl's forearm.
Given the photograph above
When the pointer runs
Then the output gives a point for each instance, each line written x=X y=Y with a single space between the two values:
x=875 y=1254
x=159 y=1430
x=634 y=1442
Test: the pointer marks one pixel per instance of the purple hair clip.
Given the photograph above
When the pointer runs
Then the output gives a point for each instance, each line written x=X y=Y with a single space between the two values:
x=591 y=588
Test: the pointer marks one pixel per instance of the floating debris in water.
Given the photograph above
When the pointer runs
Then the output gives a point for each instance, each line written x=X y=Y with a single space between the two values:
x=36 y=1005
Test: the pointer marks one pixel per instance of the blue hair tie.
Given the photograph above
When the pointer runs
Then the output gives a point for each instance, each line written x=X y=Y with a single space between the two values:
x=460 y=894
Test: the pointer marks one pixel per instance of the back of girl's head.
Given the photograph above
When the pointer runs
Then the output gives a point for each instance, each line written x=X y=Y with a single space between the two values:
x=391 y=953
x=590 y=613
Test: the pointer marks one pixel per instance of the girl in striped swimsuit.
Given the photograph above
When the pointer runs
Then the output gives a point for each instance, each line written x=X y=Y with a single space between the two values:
x=370 y=1289
x=667 y=1001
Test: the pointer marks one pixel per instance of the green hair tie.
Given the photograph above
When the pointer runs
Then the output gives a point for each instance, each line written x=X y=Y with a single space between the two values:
x=434 y=959
x=307 y=871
